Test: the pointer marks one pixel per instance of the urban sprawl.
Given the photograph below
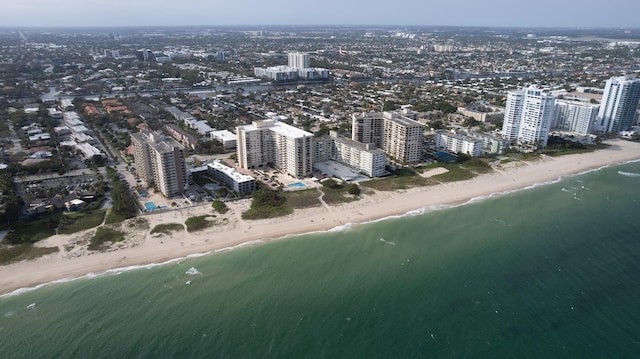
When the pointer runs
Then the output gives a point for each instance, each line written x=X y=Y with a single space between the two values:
x=143 y=120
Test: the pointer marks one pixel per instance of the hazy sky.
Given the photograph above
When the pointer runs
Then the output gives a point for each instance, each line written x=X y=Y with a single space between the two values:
x=543 y=13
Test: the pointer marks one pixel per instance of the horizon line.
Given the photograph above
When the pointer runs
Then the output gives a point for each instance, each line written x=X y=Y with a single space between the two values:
x=322 y=25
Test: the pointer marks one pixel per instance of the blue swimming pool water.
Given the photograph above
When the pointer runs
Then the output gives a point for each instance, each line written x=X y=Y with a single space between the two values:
x=297 y=184
x=211 y=187
x=150 y=206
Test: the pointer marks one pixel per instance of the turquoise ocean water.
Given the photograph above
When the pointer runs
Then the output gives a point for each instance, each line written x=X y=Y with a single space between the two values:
x=548 y=272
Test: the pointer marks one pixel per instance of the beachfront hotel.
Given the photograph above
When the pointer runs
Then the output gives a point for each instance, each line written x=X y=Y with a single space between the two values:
x=365 y=158
x=159 y=162
x=619 y=105
x=269 y=143
x=528 y=115
x=458 y=143
x=575 y=116
x=399 y=136
x=236 y=181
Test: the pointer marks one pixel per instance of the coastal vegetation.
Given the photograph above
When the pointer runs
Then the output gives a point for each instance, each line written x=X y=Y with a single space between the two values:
x=307 y=198
x=557 y=146
x=198 y=223
x=455 y=172
x=124 y=205
x=104 y=237
x=402 y=178
x=26 y=251
x=12 y=202
x=220 y=206
x=336 y=193
x=167 y=228
x=267 y=204
x=33 y=230
x=78 y=221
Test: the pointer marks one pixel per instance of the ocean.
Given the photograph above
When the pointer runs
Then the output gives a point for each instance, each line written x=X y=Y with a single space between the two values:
x=550 y=271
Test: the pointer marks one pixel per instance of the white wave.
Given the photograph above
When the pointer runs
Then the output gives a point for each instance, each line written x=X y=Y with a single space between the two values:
x=91 y=275
x=31 y=306
x=565 y=190
x=249 y=243
x=193 y=271
x=412 y=213
x=342 y=227
x=198 y=255
x=387 y=242
x=629 y=174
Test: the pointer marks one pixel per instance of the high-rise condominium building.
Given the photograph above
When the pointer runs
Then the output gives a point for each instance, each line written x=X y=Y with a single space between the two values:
x=275 y=144
x=299 y=60
x=399 y=136
x=160 y=162
x=528 y=115
x=574 y=116
x=365 y=158
x=619 y=105
x=459 y=143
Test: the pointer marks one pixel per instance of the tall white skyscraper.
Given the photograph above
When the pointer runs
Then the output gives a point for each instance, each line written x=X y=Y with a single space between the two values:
x=528 y=115
x=299 y=60
x=619 y=104
x=575 y=116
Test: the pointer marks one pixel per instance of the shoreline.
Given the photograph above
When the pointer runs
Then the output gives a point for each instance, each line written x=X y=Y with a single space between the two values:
x=142 y=250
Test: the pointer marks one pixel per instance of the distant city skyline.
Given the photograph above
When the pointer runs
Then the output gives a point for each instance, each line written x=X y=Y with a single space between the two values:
x=498 y=13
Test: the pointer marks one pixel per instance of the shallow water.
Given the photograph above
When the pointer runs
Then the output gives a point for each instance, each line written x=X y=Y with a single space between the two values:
x=544 y=272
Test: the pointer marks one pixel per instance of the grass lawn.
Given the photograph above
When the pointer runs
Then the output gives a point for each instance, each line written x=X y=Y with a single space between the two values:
x=113 y=217
x=402 y=179
x=79 y=221
x=199 y=223
x=11 y=254
x=307 y=198
x=103 y=237
x=267 y=204
x=455 y=173
x=167 y=228
x=337 y=196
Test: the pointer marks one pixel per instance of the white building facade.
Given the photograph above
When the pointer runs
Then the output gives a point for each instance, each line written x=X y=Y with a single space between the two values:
x=619 y=105
x=299 y=60
x=275 y=144
x=238 y=182
x=364 y=158
x=457 y=143
x=528 y=116
x=575 y=116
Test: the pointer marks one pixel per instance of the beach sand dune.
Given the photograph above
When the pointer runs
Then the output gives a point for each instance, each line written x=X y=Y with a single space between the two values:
x=74 y=260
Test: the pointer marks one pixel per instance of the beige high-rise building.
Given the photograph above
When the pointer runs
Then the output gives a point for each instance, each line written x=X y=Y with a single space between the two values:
x=298 y=60
x=160 y=162
x=399 y=136
x=270 y=143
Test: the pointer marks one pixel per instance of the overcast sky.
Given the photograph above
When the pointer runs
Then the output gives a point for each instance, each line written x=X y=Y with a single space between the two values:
x=540 y=13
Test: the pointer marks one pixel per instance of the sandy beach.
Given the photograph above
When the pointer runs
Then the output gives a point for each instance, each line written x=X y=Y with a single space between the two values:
x=142 y=248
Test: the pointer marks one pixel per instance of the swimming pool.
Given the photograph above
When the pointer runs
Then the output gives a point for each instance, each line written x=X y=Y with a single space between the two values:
x=297 y=184
x=150 y=206
x=211 y=187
